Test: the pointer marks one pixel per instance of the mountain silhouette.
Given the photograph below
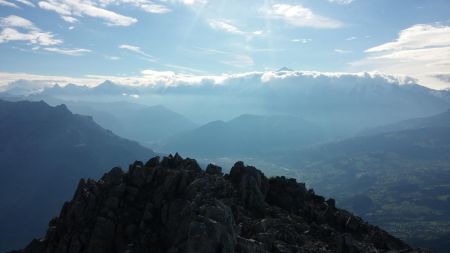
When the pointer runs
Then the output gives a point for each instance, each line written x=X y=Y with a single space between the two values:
x=44 y=151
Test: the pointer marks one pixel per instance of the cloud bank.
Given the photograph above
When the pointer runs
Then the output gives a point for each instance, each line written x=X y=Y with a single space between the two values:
x=421 y=51
x=169 y=78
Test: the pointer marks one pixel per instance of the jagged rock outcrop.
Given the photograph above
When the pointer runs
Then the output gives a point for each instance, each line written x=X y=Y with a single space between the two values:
x=173 y=206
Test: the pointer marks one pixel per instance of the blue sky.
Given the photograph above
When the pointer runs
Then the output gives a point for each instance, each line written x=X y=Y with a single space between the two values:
x=206 y=37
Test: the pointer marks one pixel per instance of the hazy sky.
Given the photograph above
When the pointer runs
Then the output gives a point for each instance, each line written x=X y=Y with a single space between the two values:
x=206 y=37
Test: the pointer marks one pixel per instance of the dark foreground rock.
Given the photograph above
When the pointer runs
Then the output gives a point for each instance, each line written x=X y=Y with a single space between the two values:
x=174 y=206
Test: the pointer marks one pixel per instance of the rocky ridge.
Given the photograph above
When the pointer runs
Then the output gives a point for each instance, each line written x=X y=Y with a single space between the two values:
x=172 y=205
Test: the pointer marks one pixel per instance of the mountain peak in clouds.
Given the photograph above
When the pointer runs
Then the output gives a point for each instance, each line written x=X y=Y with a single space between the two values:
x=284 y=68
x=24 y=87
x=69 y=89
x=75 y=86
x=106 y=84
x=57 y=86
x=110 y=88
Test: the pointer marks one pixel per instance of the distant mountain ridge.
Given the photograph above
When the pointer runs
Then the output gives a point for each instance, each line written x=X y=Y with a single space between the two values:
x=147 y=124
x=349 y=102
x=70 y=88
x=246 y=135
x=105 y=88
x=438 y=120
x=44 y=150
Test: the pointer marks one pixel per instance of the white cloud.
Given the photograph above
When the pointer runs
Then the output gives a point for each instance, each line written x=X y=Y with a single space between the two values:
x=66 y=51
x=304 y=41
x=16 y=28
x=59 y=8
x=298 y=15
x=16 y=21
x=137 y=50
x=351 y=38
x=155 y=8
x=30 y=33
x=26 y=2
x=7 y=78
x=69 y=9
x=421 y=51
x=69 y=19
x=145 y=5
x=187 y=3
x=229 y=27
x=112 y=58
x=33 y=37
x=193 y=2
x=8 y=4
x=151 y=77
x=147 y=77
x=269 y=76
x=343 y=2
x=342 y=51
x=416 y=37
x=224 y=25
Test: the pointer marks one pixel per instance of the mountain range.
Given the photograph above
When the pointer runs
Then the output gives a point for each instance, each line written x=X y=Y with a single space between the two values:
x=44 y=151
x=348 y=102
x=378 y=144
x=246 y=135
x=146 y=124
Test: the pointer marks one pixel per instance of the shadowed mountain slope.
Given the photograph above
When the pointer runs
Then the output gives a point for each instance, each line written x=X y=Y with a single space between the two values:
x=438 y=120
x=398 y=180
x=44 y=151
x=247 y=135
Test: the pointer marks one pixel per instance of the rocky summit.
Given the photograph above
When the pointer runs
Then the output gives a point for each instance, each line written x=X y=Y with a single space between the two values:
x=172 y=205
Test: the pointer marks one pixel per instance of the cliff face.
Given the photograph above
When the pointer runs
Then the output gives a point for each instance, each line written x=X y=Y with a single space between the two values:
x=174 y=206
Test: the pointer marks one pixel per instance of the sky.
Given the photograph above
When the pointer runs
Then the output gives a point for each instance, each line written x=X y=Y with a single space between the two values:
x=95 y=39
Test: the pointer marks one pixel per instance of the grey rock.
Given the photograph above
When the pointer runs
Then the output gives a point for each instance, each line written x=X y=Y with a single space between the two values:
x=213 y=169
x=174 y=206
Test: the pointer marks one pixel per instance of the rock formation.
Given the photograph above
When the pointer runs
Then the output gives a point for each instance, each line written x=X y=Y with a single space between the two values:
x=173 y=206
